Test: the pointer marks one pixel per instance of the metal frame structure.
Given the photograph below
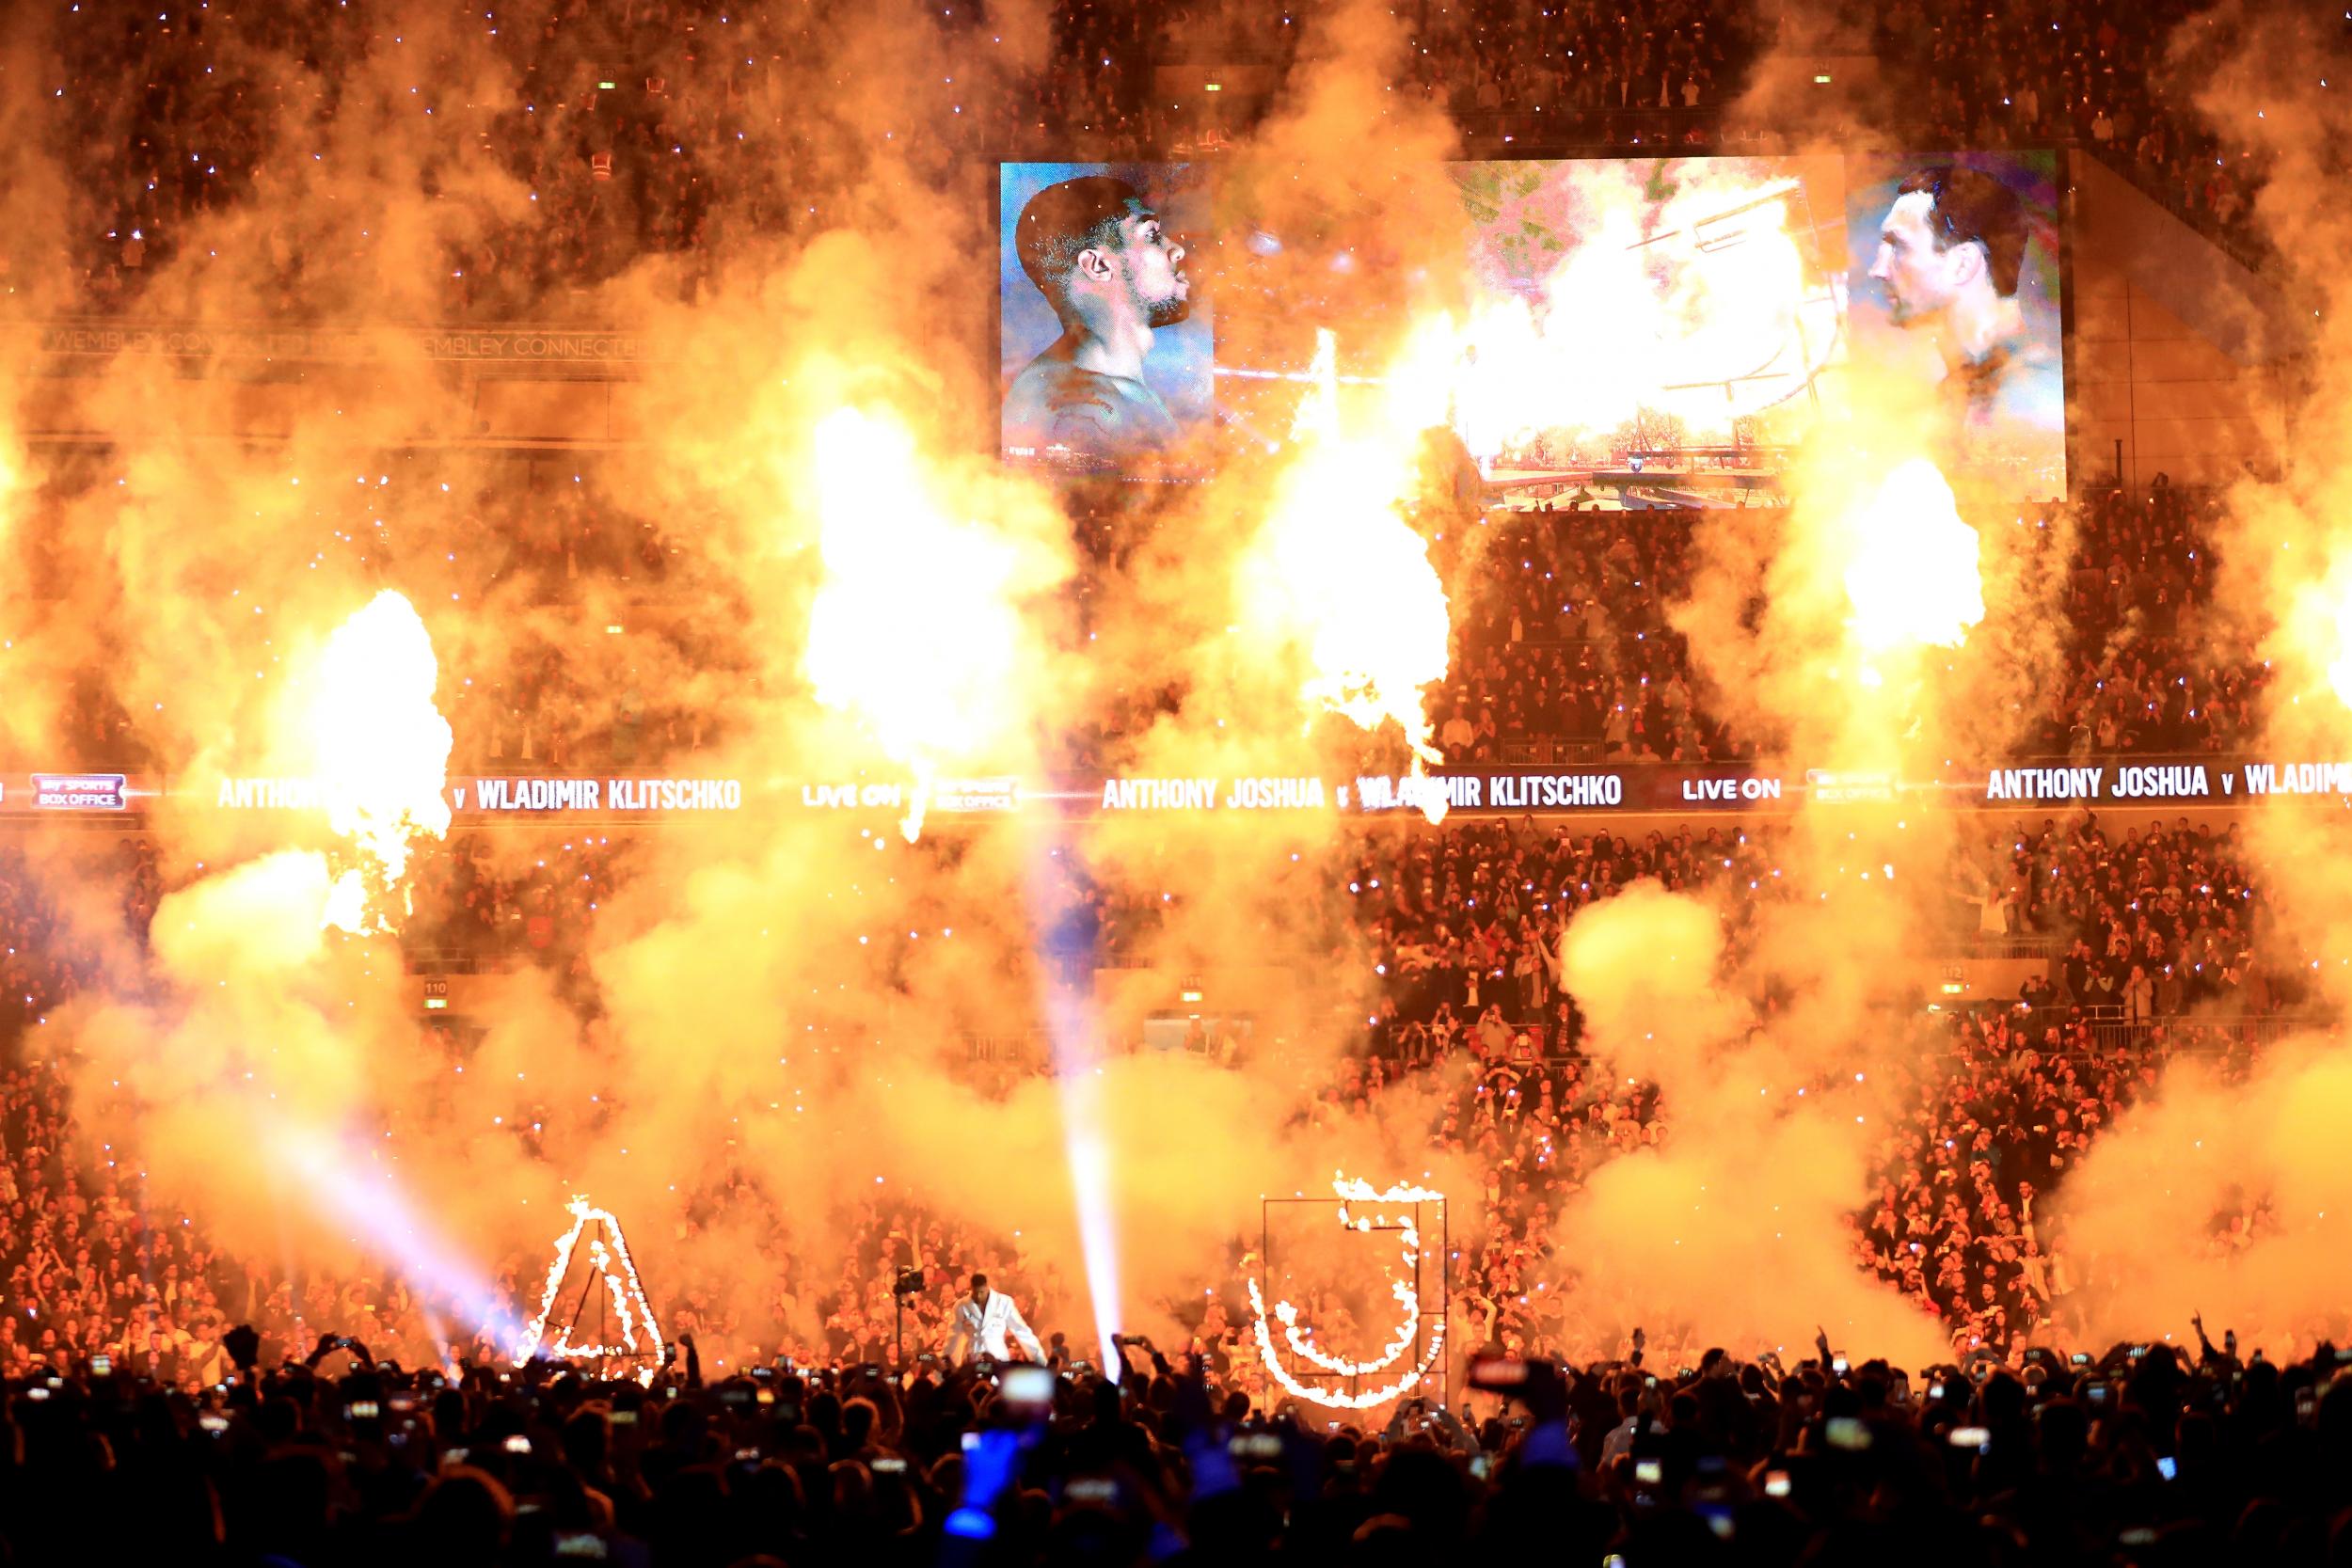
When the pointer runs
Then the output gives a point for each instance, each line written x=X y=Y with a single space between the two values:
x=1420 y=1254
x=578 y=1251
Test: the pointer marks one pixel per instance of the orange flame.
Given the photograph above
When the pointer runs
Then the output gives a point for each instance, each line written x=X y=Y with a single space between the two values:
x=382 y=751
x=2319 y=618
x=1913 y=575
x=918 y=629
x=1699 y=306
x=1341 y=572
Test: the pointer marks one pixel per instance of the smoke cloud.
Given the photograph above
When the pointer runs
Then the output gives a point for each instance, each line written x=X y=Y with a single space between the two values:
x=1766 y=1159
x=827 y=583
x=2218 y=1191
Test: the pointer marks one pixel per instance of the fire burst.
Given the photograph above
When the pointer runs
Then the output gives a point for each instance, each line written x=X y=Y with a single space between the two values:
x=383 y=750
x=1408 y=1296
x=918 y=629
x=1343 y=573
x=640 y=1336
x=2339 y=673
x=2319 y=626
x=1913 y=575
x=1703 y=304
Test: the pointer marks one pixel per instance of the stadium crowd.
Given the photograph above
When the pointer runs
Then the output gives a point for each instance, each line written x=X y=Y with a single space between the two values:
x=130 y=1312
x=2111 y=77
x=1565 y=652
x=2142 y=925
x=2137 y=1457
x=342 y=1447
x=2138 y=924
x=2017 y=1088
x=2094 y=73
x=1563 y=646
x=668 y=127
x=2147 y=676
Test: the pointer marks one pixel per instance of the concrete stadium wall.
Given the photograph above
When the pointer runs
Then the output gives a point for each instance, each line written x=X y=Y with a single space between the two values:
x=2180 y=352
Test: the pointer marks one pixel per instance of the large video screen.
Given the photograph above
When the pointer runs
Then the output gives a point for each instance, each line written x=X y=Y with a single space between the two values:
x=1108 y=361
x=1658 y=332
x=1954 y=266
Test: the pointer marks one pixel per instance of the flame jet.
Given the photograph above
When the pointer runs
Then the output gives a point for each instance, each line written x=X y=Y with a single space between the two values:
x=1339 y=573
x=917 y=631
x=383 y=750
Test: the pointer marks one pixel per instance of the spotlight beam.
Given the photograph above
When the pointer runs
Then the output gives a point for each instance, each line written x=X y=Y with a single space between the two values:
x=1074 y=1035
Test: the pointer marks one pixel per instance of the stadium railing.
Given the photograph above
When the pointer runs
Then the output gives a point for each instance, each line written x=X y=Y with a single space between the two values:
x=2209 y=1032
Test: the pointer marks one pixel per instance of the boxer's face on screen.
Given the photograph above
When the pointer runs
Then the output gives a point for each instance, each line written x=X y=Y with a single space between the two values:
x=1918 y=278
x=1152 y=262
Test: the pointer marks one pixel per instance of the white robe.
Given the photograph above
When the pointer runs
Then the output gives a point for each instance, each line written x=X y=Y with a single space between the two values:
x=982 y=1330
